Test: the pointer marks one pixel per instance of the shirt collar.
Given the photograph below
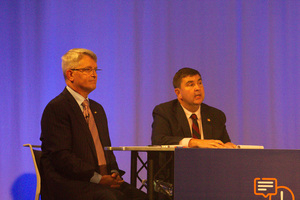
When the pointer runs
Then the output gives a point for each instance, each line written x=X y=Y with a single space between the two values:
x=189 y=113
x=79 y=99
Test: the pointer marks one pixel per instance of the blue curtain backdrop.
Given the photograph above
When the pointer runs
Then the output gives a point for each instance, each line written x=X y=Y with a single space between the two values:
x=247 y=52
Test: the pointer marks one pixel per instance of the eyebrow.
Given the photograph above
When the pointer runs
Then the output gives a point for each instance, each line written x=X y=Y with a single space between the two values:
x=193 y=81
x=189 y=82
x=91 y=67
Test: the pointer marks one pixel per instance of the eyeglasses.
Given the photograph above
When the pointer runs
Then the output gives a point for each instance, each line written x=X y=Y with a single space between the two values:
x=87 y=70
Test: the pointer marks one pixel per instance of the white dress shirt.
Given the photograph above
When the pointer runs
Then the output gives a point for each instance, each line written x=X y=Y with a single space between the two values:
x=185 y=141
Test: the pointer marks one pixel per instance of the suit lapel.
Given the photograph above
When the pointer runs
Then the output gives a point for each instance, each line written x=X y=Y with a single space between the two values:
x=182 y=120
x=81 y=120
x=206 y=122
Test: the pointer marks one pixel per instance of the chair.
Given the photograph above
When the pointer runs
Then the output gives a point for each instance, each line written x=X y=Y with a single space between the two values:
x=36 y=157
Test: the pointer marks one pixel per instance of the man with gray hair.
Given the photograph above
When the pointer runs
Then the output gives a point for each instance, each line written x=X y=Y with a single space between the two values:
x=74 y=165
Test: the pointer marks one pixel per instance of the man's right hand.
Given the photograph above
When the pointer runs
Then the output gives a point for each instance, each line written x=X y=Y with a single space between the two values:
x=197 y=143
x=111 y=181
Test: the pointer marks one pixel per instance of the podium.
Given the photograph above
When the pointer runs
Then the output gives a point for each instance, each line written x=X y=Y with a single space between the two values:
x=236 y=174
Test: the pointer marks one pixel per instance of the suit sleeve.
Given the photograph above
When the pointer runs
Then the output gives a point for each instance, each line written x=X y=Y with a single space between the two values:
x=57 y=144
x=162 y=130
x=220 y=126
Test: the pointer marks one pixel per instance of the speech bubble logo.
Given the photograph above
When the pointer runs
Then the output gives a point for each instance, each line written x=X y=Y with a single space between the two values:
x=265 y=186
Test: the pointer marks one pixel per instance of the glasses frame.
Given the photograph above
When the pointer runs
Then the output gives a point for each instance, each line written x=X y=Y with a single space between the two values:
x=87 y=70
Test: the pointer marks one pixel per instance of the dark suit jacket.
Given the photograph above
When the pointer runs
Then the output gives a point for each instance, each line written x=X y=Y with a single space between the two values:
x=170 y=124
x=69 y=157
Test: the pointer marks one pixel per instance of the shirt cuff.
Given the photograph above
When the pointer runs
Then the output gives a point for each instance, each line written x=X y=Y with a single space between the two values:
x=114 y=171
x=96 y=178
x=185 y=142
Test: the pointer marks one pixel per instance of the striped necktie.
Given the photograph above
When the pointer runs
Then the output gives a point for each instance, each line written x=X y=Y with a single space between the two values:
x=195 y=127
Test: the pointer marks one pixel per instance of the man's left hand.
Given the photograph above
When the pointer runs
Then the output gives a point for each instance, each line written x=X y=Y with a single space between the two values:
x=230 y=145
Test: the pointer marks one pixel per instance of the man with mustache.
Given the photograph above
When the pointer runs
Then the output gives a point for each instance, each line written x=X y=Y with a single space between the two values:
x=186 y=120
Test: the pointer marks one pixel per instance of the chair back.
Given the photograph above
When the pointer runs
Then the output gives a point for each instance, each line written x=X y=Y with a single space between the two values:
x=36 y=157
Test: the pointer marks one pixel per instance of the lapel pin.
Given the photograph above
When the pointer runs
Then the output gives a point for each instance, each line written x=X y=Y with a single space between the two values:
x=95 y=112
x=208 y=120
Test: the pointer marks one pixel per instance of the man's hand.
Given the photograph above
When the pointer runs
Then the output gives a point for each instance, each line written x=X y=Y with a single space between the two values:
x=216 y=144
x=113 y=181
x=230 y=145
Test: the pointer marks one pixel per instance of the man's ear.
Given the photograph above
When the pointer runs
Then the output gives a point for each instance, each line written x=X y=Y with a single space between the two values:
x=70 y=75
x=177 y=92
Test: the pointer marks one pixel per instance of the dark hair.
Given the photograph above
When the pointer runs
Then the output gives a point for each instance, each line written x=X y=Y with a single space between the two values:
x=184 y=72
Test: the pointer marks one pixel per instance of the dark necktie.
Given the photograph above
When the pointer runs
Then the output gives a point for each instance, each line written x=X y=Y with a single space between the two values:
x=94 y=131
x=195 y=127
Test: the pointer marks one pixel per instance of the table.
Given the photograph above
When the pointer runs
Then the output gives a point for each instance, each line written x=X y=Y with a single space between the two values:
x=152 y=155
x=224 y=173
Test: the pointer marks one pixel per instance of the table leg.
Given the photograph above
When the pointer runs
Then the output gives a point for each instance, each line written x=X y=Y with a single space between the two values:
x=150 y=175
x=133 y=172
